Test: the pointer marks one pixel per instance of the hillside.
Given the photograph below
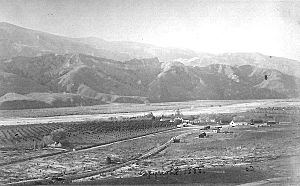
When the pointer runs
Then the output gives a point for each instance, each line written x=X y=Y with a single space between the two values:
x=72 y=80
x=284 y=65
x=78 y=79
x=17 y=101
x=180 y=82
x=13 y=101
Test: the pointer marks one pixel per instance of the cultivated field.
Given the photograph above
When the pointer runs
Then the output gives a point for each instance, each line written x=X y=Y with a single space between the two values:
x=79 y=134
x=24 y=141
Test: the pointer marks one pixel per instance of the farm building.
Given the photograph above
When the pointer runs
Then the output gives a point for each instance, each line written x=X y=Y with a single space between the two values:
x=233 y=124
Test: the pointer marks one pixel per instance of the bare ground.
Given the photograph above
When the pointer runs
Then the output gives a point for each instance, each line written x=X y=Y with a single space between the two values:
x=248 y=155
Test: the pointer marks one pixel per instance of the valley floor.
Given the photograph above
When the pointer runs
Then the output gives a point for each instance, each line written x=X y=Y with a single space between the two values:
x=249 y=154
x=237 y=155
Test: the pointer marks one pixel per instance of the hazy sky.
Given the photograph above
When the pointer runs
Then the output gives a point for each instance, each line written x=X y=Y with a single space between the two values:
x=269 y=27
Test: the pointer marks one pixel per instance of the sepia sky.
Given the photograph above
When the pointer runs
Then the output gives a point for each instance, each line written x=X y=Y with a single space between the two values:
x=269 y=27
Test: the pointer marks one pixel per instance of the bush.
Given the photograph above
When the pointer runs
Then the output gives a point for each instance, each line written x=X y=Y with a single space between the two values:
x=150 y=115
x=59 y=135
x=47 y=140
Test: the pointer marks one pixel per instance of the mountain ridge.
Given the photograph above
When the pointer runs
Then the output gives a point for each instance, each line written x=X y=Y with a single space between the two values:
x=287 y=66
x=19 y=41
x=98 y=80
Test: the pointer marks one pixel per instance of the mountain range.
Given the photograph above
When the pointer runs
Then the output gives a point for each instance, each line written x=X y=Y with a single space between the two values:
x=18 y=41
x=39 y=70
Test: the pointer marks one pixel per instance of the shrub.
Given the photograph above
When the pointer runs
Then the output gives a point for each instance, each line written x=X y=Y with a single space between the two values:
x=47 y=140
x=59 y=135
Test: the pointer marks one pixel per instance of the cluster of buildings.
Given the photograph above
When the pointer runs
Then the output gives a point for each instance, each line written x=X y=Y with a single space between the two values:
x=185 y=121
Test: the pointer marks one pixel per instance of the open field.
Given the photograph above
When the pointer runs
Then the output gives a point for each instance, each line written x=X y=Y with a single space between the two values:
x=76 y=114
x=249 y=154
